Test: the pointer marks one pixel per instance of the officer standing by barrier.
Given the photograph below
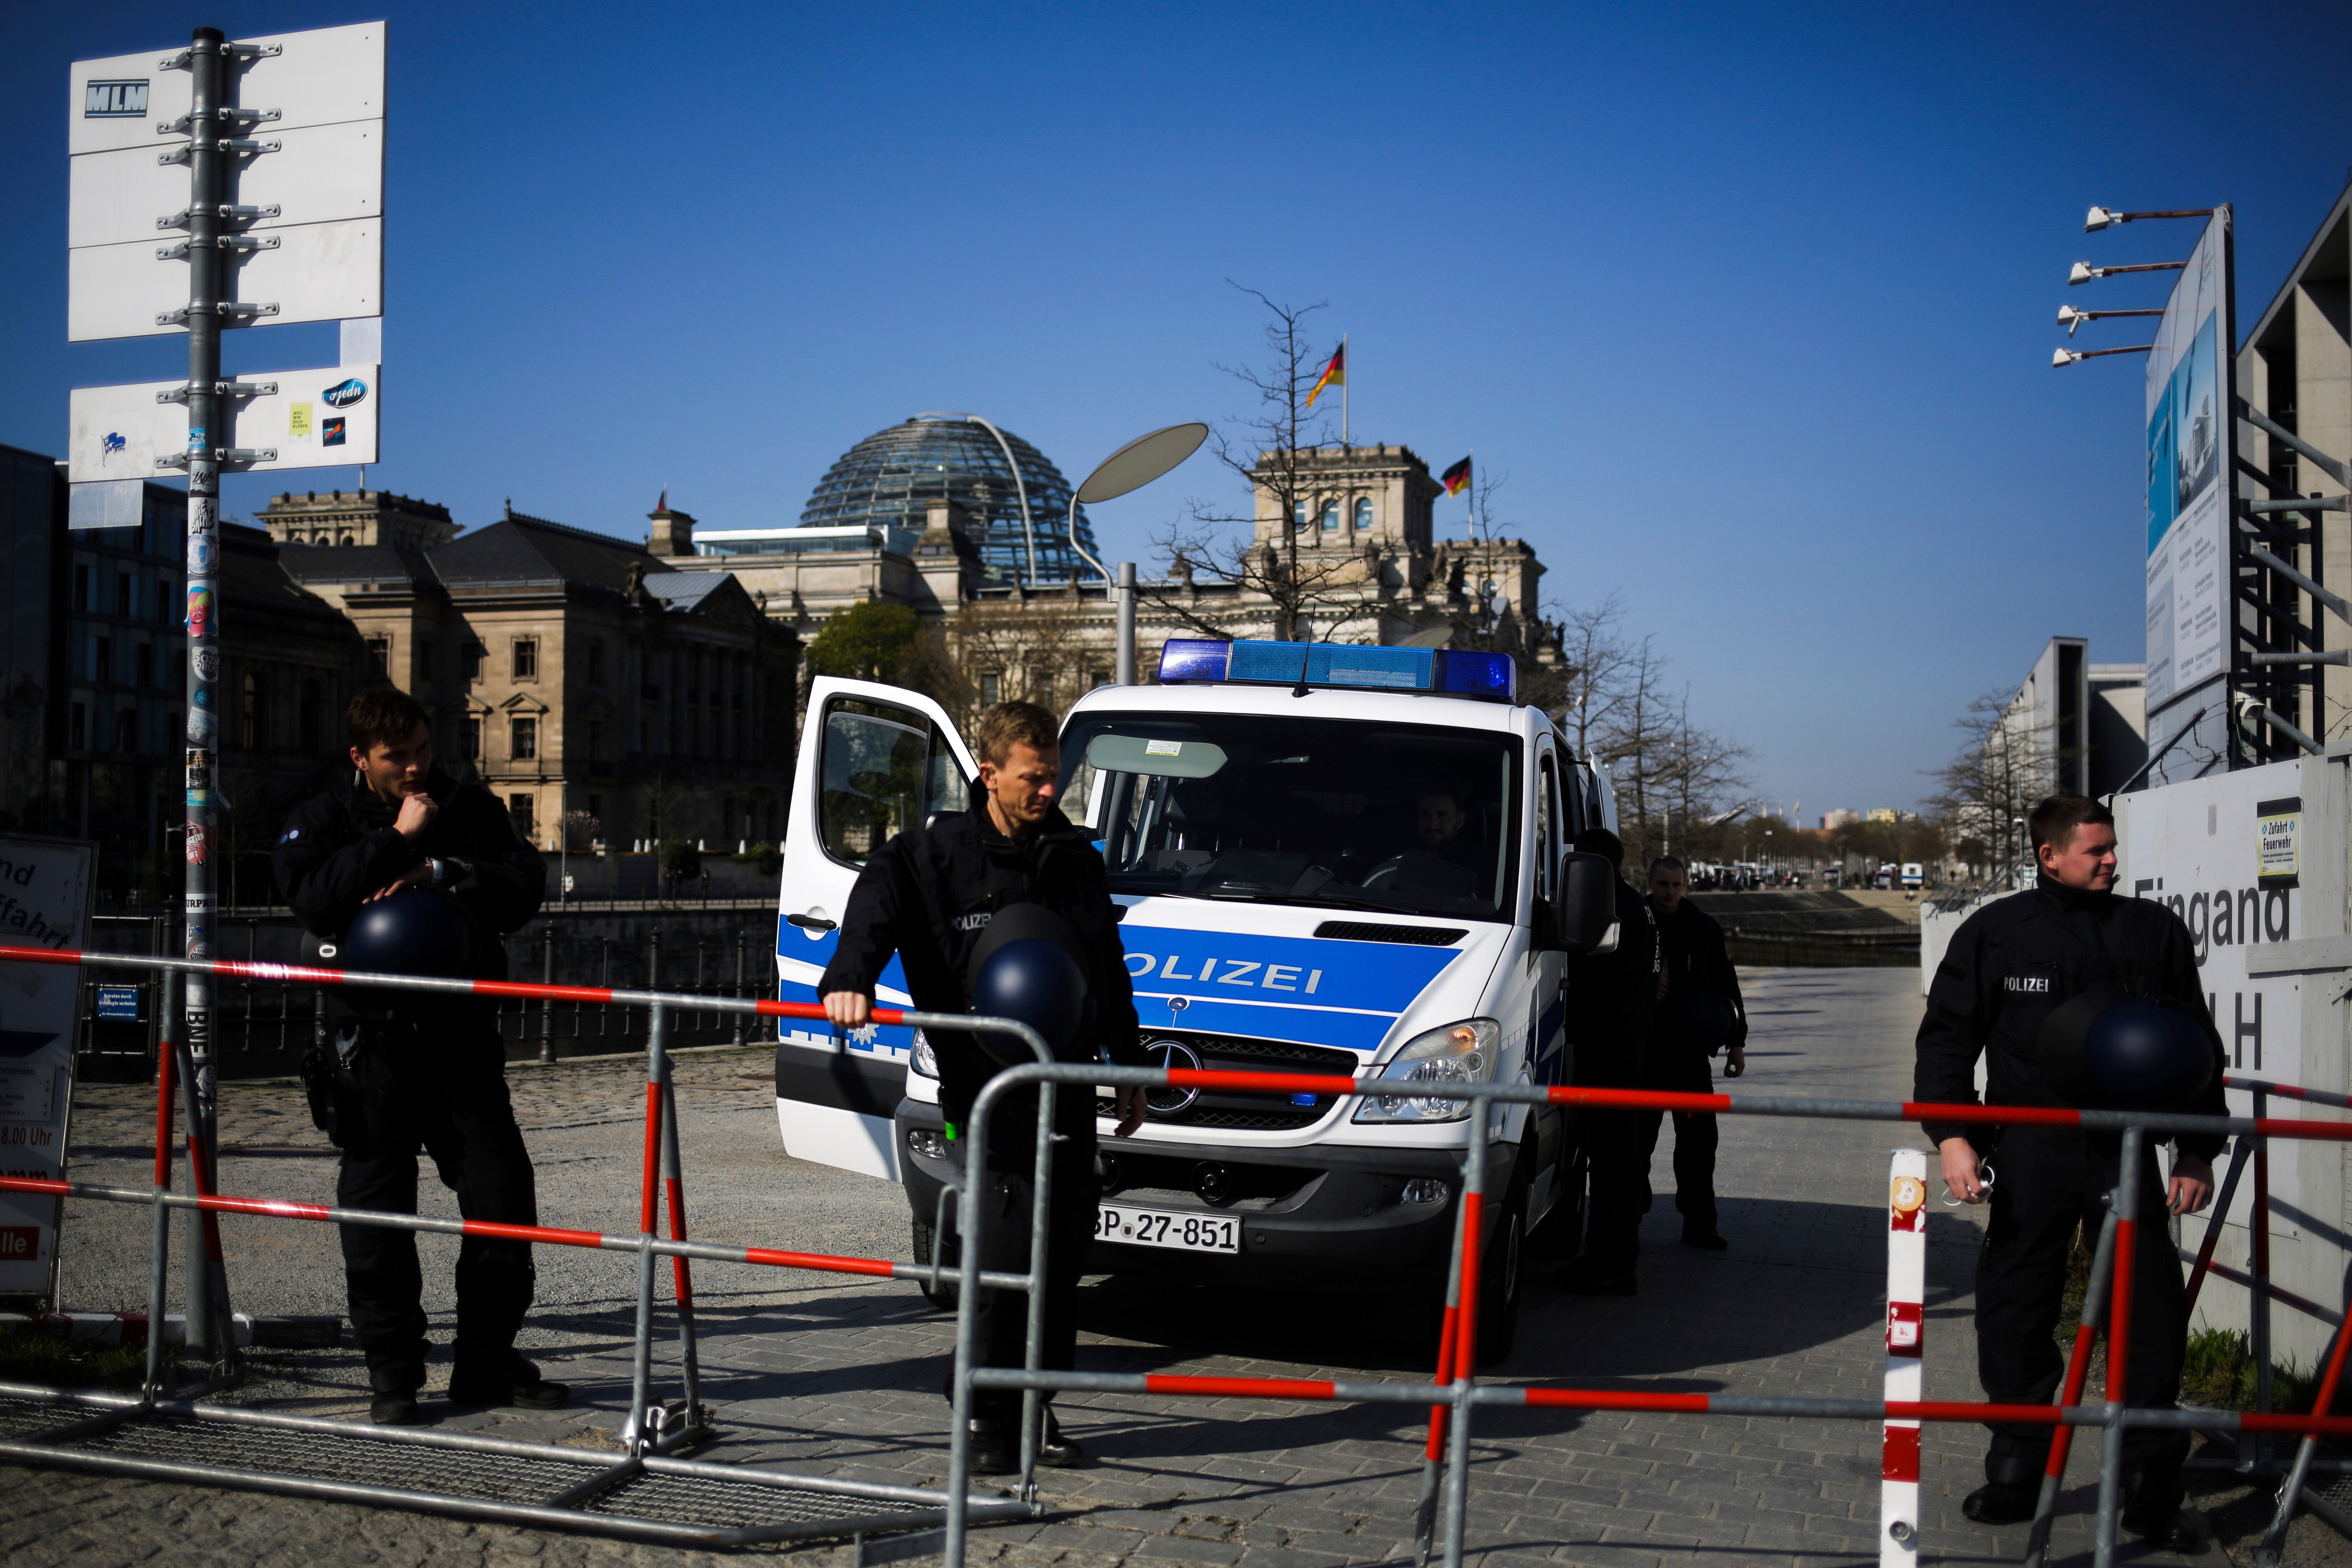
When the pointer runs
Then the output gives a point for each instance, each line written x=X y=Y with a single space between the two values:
x=1612 y=1004
x=2011 y=967
x=931 y=895
x=1699 y=1014
x=420 y=862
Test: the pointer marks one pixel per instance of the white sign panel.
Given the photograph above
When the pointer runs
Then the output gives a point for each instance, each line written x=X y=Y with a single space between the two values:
x=316 y=420
x=2190 y=446
x=321 y=272
x=317 y=78
x=2210 y=850
x=44 y=902
x=320 y=161
x=326 y=173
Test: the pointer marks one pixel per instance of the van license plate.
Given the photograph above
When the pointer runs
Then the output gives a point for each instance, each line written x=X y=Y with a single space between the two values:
x=1156 y=1228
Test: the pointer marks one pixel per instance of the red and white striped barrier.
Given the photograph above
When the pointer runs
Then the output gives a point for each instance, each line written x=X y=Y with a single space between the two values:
x=1906 y=1334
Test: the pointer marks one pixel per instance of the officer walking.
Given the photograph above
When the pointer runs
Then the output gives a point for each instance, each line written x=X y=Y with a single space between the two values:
x=421 y=1071
x=1699 y=1014
x=928 y=895
x=1613 y=1001
x=2009 y=966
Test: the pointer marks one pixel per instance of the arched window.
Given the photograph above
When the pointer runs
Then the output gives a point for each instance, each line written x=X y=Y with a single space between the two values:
x=248 y=714
x=309 y=716
x=1363 y=514
x=1331 y=517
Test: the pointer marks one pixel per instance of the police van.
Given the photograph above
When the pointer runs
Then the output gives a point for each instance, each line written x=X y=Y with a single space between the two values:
x=1330 y=859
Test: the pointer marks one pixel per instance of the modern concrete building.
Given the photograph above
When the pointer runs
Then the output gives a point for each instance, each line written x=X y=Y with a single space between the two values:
x=2295 y=367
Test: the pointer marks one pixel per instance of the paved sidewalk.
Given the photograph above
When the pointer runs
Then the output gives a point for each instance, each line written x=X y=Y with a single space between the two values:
x=843 y=1377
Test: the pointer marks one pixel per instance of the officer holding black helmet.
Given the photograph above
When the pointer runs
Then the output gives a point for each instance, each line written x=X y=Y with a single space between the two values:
x=412 y=1071
x=930 y=895
x=2010 y=966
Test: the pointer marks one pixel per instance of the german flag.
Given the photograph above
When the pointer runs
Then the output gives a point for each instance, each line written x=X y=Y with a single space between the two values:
x=1333 y=375
x=1456 y=479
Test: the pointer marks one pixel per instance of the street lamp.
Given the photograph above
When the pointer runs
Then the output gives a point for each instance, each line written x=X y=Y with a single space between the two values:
x=2083 y=272
x=1131 y=468
x=2106 y=217
x=2061 y=358
x=2070 y=318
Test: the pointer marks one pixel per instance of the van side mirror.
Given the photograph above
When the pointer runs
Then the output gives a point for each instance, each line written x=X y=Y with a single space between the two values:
x=1588 y=901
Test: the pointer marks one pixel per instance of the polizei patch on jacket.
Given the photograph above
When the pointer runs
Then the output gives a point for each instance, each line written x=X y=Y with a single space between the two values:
x=2027 y=982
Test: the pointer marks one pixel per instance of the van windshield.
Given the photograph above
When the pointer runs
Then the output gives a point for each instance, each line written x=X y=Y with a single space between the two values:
x=1406 y=819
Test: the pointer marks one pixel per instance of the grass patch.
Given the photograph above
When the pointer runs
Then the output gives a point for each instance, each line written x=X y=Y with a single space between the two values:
x=75 y=1364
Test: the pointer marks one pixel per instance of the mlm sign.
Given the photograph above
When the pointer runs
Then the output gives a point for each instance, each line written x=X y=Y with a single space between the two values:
x=44 y=902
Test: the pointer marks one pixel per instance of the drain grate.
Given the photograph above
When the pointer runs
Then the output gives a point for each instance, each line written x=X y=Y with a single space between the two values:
x=353 y=1462
x=484 y=1479
x=712 y=1503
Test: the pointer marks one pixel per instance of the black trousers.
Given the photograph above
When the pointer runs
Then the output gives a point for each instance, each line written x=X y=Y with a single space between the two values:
x=2047 y=1181
x=452 y=1104
x=1682 y=1070
x=1002 y=1316
x=1617 y=1164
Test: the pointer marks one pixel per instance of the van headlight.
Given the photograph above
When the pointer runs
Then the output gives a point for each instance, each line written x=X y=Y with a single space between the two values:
x=1462 y=1053
x=922 y=1060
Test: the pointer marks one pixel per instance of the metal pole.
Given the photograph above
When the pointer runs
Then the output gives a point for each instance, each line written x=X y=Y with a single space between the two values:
x=739 y=944
x=633 y=1435
x=1033 y=1349
x=208 y=291
x=547 y=1005
x=2125 y=1209
x=2258 y=1265
x=673 y=1170
x=2078 y=1365
x=1434 y=1452
x=1127 y=623
x=1465 y=1355
x=159 y=1239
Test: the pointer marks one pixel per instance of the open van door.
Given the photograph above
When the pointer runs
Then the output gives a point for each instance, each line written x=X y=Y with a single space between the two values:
x=874 y=760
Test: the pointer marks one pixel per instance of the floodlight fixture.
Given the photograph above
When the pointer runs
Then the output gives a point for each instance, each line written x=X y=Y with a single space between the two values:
x=2108 y=217
x=2084 y=271
x=2070 y=318
x=2061 y=358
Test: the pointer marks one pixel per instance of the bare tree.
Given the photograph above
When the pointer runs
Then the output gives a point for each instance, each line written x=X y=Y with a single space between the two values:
x=1031 y=652
x=1701 y=782
x=1990 y=786
x=1638 y=732
x=1594 y=655
x=1272 y=450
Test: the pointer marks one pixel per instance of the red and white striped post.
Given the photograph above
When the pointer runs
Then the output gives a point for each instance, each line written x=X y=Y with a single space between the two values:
x=1906 y=1330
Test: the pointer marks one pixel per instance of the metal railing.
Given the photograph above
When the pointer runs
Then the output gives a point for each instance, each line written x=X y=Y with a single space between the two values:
x=651 y=1440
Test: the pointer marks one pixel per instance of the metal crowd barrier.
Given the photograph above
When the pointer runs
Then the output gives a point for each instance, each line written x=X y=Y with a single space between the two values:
x=648 y=1494
x=1457 y=1392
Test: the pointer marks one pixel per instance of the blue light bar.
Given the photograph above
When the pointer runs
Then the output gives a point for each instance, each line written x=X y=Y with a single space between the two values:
x=1185 y=660
x=1263 y=662
x=1380 y=669
x=1464 y=674
x=1281 y=663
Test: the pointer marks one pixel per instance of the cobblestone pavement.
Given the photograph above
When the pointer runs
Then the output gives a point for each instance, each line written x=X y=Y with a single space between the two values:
x=843 y=1375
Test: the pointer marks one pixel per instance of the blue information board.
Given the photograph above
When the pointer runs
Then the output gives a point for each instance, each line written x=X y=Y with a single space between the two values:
x=118 y=1004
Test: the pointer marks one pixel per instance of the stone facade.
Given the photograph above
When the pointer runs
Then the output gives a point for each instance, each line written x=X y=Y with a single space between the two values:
x=578 y=675
x=359 y=518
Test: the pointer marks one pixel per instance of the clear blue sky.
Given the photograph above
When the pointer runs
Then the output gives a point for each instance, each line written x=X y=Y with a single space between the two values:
x=1753 y=303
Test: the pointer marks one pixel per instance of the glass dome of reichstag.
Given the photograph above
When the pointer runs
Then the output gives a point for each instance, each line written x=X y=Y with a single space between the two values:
x=888 y=478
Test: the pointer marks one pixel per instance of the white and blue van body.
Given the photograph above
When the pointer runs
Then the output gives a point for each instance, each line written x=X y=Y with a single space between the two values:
x=1326 y=862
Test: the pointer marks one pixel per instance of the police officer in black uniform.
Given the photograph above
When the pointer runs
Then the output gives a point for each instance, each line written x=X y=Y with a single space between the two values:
x=416 y=1071
x=1612 y=1002
x=1699 y=1014
x=928 y=895
x=2008 y=967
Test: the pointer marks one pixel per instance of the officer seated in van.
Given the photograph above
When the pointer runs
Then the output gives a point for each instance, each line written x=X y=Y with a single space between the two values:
x=1442 y=859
